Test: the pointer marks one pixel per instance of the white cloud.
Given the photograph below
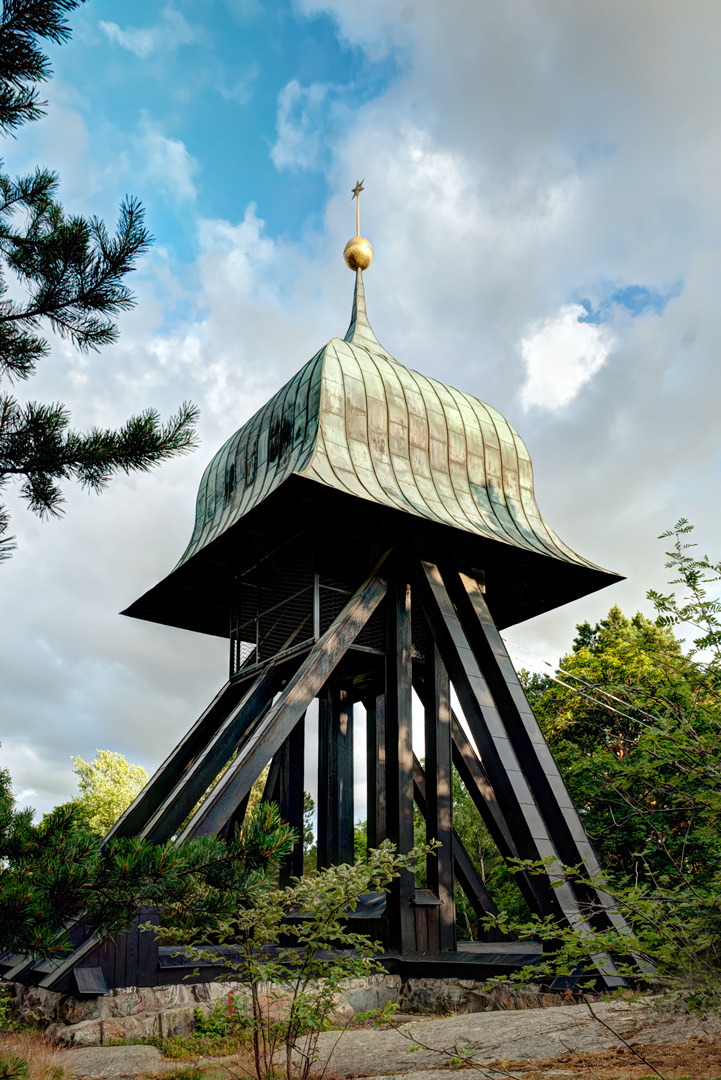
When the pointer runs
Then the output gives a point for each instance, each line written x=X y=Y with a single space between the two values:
x=561 y=355
x=301 y=126
x=521 y=155
x=242 y=90
x=174 y=30
x=168 y=162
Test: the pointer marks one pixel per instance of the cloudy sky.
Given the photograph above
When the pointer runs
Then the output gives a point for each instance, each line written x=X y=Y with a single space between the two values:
x=543 y=194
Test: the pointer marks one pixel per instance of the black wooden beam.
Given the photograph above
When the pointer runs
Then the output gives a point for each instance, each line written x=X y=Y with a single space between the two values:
x=551 y=893
x=375 y=706
x=545 y=781
x=290 y=797
x=439 y=796
x=161 y=784
x=399 y=759
x=327 y=821
x=194 y=782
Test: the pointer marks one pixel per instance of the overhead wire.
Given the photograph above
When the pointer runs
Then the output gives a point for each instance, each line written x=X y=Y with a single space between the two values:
x=589 y=686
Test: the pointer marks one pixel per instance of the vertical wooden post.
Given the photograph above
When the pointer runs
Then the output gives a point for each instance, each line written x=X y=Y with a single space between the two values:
x=439 y=795
x=399 y=756
x=290 y=797
x=343 y=728
x=375 y=706
x=335 y=777
x=325 y=823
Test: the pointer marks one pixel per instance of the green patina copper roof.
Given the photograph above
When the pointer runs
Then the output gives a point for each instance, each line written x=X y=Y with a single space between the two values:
x=356 y=420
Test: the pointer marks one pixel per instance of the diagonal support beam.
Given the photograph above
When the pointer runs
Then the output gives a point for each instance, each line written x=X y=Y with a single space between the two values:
x=175 y=808
x=551 y=893
x=547 y=785
x=160 y=785
x=269 y=734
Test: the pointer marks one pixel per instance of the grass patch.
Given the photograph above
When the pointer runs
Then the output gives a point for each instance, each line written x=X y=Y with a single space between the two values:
x=25 y=1055
x=191 y=1047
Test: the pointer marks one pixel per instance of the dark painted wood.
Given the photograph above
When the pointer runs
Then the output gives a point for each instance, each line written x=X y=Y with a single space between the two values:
x=326 y=822
x=343 y=726
x=439 y=798
x=399 y=758
x=545 y=781
x=290 y=797
x=335 y=765
x=550 y=895
x=131 y=955
x=269 y=734
x=465 y=872
x=173 y=811
x=160 y=785
x=376 y=768
x=148 y=949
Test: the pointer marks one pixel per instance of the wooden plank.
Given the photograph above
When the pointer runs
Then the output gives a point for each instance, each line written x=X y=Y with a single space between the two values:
x=269 y=734
x=175 y=808
x=292 y=778
x=439 y=800
x=131 y=955
x=376 y=768
x=116 y=952
x=148 y=949
x=326 y=820
x=421 y=927
x=343 y=725
x=399 y=759
x=131 y=822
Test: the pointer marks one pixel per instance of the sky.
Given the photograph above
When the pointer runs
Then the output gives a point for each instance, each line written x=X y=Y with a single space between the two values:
x=543 y=197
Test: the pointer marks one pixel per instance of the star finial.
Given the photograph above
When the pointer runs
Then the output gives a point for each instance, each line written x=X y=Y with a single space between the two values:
x=358 y=253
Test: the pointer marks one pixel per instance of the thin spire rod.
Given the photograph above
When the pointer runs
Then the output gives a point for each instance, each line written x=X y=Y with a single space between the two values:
x=356 y=195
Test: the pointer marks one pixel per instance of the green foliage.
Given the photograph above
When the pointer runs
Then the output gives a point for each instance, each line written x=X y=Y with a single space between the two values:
x=108 y=784
x=67 y=275
x=293 y=950
x=12 y=1068
x=52 y=871
x=634 y=721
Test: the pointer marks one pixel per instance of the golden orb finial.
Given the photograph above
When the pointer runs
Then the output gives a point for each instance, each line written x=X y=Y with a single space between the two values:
x=358 y=252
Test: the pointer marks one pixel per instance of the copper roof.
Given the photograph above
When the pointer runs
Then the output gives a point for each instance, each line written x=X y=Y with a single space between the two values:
x=356 y=420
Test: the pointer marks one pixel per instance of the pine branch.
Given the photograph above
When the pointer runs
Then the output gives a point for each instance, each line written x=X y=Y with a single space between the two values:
x=22 y=62
x=35 y=444
x=74 y=268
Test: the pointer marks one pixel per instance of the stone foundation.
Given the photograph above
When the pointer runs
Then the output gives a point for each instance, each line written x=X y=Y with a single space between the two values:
x=135 y=1013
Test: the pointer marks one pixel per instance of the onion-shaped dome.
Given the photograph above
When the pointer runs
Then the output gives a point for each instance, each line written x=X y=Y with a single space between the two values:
x=355 y=421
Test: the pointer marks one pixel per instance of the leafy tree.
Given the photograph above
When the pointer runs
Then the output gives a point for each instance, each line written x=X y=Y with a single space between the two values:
x=68 y=276
x=108 y=784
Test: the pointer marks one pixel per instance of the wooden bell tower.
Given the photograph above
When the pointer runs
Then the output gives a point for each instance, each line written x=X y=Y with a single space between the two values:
x=362 y=539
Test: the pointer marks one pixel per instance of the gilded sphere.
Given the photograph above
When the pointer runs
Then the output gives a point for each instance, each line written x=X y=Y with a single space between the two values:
x=358 y=253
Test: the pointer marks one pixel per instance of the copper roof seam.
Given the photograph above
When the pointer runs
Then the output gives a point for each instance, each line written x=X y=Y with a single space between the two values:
x=477 y=404
x=425 y=383
x=467 y=522
x=371 y=494
x=388 y=434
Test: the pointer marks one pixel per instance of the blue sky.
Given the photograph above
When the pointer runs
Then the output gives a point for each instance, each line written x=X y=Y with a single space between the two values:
x=542 y=195
x=220 y=80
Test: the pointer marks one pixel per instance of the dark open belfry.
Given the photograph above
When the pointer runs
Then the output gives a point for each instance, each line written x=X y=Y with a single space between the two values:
x=361 y=540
